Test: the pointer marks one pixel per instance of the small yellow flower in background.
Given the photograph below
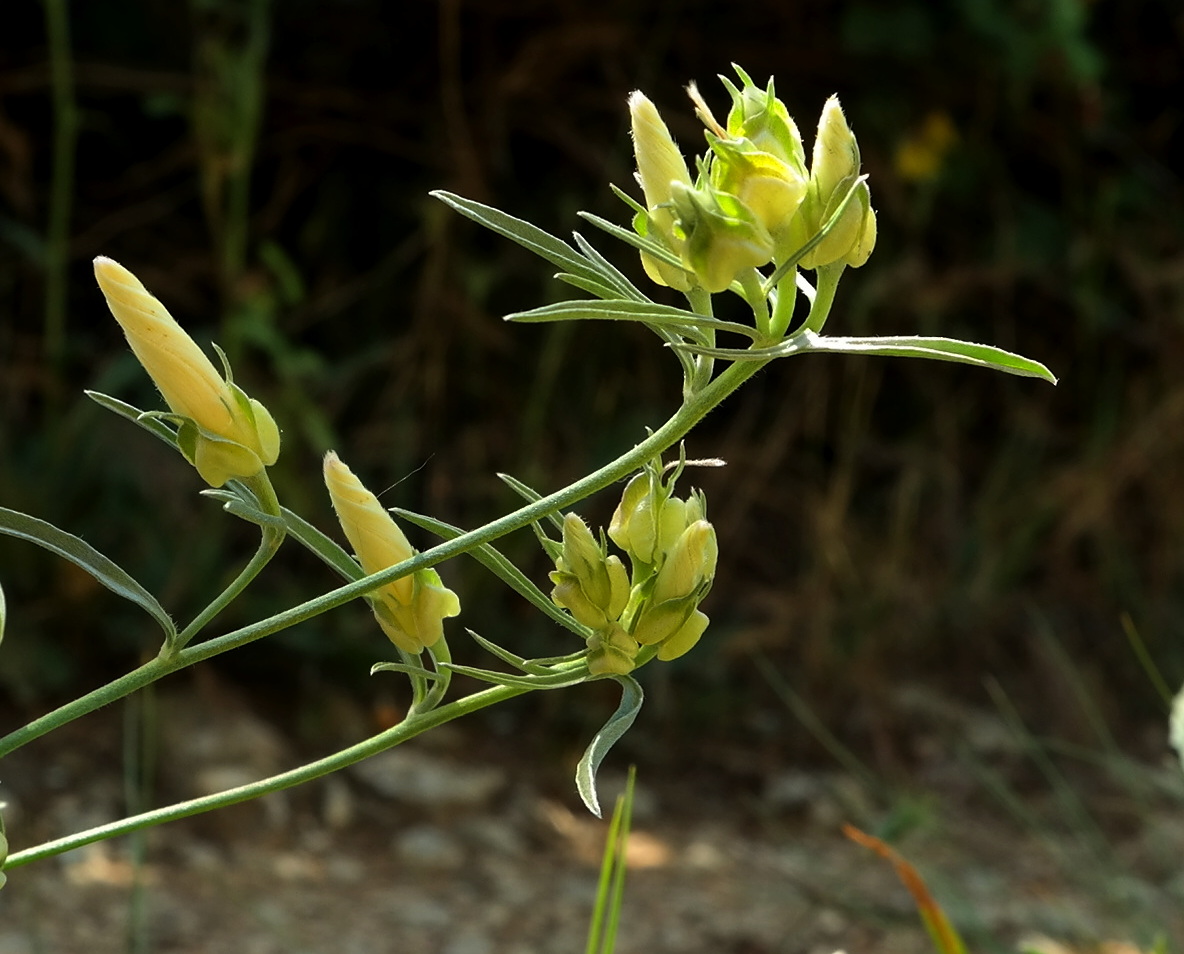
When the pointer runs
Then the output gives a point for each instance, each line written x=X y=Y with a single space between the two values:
x=922 y=152
x=411 y=610
x=232 y=435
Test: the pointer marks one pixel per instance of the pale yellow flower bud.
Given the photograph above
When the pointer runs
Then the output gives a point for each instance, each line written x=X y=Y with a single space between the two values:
x=410 y=610
x=236 y=436
x=659 y=165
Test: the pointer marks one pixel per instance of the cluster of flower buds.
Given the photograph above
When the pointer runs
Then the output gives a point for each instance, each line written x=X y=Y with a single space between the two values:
x=411 y=610
x=672 y=550
x=224 y=433
x=753 y=200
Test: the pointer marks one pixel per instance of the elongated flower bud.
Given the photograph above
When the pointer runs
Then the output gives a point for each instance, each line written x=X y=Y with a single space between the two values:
x=233 y=435
x=410 y=610
x=660 y=164
x=834 y=171
x=593 y=587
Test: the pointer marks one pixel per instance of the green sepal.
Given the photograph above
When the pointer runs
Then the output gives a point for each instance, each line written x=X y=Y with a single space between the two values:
x=616 y=726
x=83 y=555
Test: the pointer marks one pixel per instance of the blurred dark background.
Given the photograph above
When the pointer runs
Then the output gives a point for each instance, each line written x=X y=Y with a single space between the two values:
x=264 y=168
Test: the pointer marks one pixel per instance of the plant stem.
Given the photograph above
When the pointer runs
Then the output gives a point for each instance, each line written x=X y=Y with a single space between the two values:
x=693 y=410
x=268 y=546
x=410 y=727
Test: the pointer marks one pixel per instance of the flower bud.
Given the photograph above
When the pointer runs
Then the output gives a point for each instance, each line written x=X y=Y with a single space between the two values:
x=611 y=651
x=410 y=610
x=592 y=587
x=760 y=117
x=834 y=169
x=232 y=435
x=659 y=165
x=680 y=585
x=685 y=638
x=771 y=188
x=689 y=565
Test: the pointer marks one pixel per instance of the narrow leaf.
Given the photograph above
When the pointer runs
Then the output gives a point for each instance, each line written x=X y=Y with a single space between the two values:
x=501 y=567
x=530 y=495
x=558 y=680
x=903 y=346
x=531 y=237
x=405 y=668
x=324 y=547
x=608 y=269
x=151 y=423
x=941 y=349
x=83 y=555
x=617 y=725
x=3 y=618
x=649 y=246
x=620 y=309
x=591 y=285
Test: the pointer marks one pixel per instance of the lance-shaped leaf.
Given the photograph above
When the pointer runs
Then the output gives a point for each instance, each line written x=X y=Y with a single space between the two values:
x=902 y=346
x=531 y=237
x=617 y=725
x=677 y=319
x=149 y=420
x=3 y=614
x=83 y=555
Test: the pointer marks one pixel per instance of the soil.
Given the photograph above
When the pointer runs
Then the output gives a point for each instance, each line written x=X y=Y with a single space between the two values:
x=461 y=843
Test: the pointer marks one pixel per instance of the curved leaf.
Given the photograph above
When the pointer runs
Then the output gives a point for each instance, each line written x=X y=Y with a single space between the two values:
x=83 y=555
x=3 y=614
x=617 y=725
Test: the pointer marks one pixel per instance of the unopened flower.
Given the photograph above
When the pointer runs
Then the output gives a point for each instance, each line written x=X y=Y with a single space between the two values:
x=593 y=587
x=679 y=586
x=410 y=610
x=723 y=235
x=660 y=164
x=229 y=434
x=834 y=172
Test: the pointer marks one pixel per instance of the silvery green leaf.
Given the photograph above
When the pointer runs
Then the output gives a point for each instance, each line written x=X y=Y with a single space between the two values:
x=617 y=725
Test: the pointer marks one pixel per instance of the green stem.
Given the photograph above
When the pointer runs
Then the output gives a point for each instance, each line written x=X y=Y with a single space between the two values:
x=268 y=546
x=827 y=283
x=65 y=135
x=700 y=302
x=693 y=410
x=264 y=493
x=754 y=294
x=787 y=296
x=410 y=727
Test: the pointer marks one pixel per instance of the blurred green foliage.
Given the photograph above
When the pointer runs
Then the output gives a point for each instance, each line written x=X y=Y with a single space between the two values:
x=264 y=169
